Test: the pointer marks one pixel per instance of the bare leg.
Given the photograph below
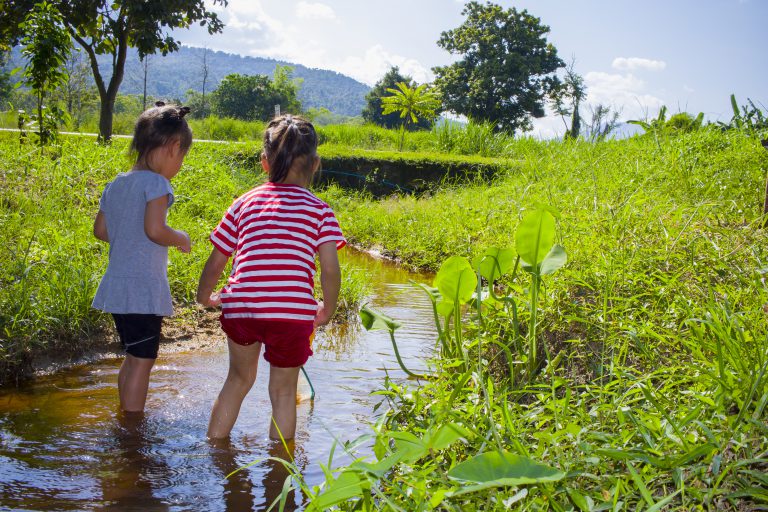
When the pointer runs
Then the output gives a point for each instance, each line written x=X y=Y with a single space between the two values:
x=133 y=382
x=282 y=393
x=243 y=363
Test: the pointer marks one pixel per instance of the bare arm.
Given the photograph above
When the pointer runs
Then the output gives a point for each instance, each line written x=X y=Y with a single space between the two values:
x=330 y=282
x=100 y=227
x=158 y=231
x=210 y=276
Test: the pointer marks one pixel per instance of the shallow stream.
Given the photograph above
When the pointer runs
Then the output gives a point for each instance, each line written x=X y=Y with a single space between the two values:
x=64 y=446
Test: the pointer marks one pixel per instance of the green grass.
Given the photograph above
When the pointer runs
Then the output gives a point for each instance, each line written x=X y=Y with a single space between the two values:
x=653 y=342
x=52 y=263
x=653 y=388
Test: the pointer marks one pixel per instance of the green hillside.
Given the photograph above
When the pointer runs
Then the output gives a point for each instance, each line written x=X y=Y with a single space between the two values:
x=173 y=75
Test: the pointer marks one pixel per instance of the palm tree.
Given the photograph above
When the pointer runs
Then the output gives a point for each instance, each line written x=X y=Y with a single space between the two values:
x=412 y=103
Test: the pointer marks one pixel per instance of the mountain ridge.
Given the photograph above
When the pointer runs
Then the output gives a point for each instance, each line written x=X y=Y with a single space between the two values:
x=172 y=75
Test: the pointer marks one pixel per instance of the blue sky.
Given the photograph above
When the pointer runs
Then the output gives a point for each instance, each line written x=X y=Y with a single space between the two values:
x=689 y=55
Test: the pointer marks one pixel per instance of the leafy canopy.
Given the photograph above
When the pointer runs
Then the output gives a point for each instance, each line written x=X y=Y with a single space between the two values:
x=411 y=104
x=372 y=112
x=507 y=67
x=46 y=48
x=253 y=97
x=110 y=27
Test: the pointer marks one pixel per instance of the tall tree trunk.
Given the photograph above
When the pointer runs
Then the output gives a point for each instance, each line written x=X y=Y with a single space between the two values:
x=106 y=109
x=145 y=65
x=107 y=94
x=204 y=110
x=575 y=121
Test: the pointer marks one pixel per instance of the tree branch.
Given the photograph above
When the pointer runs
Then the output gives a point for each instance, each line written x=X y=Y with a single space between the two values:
x=94 y=63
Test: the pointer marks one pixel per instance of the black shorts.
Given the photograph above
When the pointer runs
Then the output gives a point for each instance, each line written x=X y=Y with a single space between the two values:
x=139 y=334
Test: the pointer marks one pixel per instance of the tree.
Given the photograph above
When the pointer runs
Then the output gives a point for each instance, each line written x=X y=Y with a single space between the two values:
x=76 y=92
x=286 y=89
x=145 y=74
x=602 y=122
x=5 y=80
x=411 y=104
x=205 y=69
x=253 y=97
x=566 y=97
x=507 y=67
x=243 y=97
x=110 y=27
x=372 y=112
x=46 y=48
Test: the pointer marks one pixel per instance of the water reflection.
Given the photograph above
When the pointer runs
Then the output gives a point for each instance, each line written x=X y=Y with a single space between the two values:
x=131 y=475
x=339 y=339
x=238 y=469
x=277 y=474
x=238 y=488
x=62 y=447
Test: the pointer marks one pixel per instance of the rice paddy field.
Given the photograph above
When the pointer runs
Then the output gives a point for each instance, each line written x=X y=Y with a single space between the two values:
x=600 y=308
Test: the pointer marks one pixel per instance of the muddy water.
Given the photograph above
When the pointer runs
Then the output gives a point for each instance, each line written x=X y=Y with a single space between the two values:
x=64 y=447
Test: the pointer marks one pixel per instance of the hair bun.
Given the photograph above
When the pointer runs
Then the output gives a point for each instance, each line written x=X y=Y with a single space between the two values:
x=183 y=111
x=159 y=103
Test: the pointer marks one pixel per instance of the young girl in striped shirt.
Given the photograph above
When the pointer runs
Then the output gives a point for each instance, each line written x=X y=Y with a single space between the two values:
x=273 y=232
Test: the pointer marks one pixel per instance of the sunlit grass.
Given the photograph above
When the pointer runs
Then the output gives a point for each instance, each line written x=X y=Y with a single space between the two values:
x=52 y=263
x=654 y=392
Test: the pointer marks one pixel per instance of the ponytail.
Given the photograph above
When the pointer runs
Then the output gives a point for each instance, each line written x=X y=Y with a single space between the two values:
x=289 y=140
x=159 y=125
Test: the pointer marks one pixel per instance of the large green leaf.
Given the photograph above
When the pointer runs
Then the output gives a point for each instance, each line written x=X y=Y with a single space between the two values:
x=346 y=486
x=456 y=280
x=408 y=447
x=494 y=262
x=535 y=236
x=554 y=259
x=496 y=469
x=445 y=436
x=445 y=307
x=372 y=320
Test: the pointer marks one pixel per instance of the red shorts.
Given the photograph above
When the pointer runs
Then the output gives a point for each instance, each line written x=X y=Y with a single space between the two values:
x=286 y=344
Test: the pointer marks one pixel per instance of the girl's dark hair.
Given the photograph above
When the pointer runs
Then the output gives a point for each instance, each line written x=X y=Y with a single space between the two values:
x=289 y=139
x=159 y=125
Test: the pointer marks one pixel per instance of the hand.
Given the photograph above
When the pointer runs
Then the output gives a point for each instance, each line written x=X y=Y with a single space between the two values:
x=213 y=301
x=323 y=316
x=186 y=245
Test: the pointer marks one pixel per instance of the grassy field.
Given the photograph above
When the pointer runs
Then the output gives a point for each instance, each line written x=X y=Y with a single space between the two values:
x=651 y=386
x=52 y=263
x=633 y=378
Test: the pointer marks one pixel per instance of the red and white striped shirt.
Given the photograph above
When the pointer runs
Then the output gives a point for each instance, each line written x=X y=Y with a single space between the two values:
x=274 y=231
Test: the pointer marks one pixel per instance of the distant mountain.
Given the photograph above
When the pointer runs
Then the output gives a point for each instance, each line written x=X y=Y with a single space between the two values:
x=173 y=75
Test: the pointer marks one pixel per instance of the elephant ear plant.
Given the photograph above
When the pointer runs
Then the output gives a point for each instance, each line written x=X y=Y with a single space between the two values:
x=539 y=256
x=458 y=283
x=373 y=320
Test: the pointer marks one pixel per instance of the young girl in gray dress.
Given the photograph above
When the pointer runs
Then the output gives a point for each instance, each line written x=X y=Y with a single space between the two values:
x=131 y=218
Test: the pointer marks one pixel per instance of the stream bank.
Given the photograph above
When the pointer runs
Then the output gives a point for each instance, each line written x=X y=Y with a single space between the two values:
x=65 y=447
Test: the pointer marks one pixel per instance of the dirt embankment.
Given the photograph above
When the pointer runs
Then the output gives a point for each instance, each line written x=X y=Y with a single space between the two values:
x=193 y=328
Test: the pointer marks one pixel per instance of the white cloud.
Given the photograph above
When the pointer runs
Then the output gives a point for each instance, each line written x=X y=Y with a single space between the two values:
x=548 y=127
x=625 y=92
x=636 y=63
x=315 y=11
x=251 y=30
x=370 y=67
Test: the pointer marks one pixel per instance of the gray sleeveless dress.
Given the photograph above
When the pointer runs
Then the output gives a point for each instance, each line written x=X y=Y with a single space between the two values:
x=136 y=280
